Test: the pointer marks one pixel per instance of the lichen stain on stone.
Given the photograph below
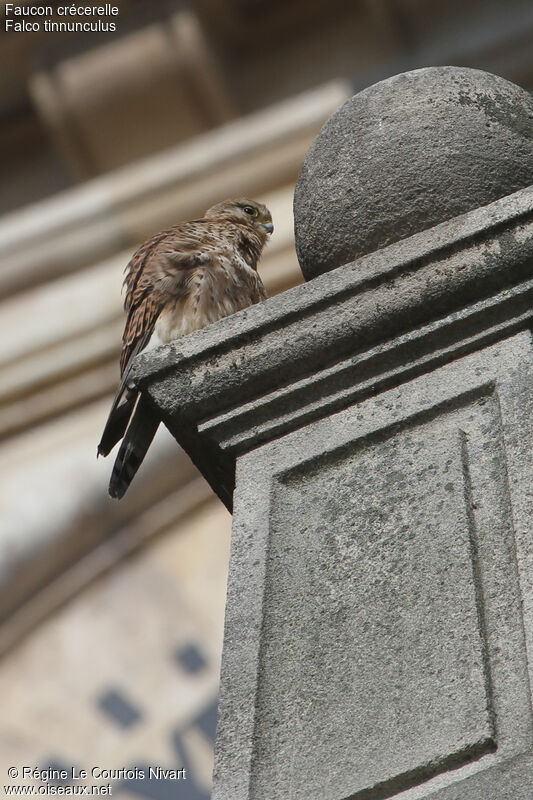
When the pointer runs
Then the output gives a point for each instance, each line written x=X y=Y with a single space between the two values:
x=497 y=108
x=395 y=476
x=523 y=236
x=510 y=250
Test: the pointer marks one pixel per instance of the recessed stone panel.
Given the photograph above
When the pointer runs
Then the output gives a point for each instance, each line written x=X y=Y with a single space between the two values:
x=369 y=573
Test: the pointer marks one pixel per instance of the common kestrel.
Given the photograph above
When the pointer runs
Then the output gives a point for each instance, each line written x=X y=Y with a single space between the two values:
x=181 y=279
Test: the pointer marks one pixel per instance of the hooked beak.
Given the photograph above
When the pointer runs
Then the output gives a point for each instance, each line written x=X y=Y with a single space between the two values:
x=268 y=227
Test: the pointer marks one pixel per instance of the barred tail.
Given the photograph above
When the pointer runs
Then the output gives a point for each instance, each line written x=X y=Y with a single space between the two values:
x=135 y=444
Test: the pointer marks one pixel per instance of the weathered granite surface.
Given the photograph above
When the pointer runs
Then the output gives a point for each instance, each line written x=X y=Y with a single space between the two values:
x=380 y=558
x=405 y=154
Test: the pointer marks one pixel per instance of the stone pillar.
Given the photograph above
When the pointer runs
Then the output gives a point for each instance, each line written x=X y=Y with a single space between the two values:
x=376 y=424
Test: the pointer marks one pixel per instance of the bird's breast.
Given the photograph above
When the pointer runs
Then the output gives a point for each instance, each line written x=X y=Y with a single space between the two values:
x=211 y=293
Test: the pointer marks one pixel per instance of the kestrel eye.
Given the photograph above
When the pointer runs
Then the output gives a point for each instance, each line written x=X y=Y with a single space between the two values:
x=252 y=212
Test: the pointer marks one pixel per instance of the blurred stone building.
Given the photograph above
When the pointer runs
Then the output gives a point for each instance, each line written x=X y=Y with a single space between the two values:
x=111 y=614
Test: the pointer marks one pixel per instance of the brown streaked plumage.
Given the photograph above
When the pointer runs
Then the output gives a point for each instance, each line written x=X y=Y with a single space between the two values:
x=181 y=279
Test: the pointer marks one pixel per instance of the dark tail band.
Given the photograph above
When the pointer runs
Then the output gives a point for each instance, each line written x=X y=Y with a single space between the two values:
x=135 y=444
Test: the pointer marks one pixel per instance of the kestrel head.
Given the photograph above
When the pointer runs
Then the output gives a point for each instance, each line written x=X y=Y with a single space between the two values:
x=243 y=212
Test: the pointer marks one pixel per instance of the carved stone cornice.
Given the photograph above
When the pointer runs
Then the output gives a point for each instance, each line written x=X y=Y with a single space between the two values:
x=362 y=328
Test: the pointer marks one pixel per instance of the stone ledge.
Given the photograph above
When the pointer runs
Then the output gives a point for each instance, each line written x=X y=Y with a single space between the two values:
x=378 y=321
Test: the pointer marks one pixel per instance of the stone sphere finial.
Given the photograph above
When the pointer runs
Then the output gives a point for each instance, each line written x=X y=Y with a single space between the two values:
x=405 y=154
